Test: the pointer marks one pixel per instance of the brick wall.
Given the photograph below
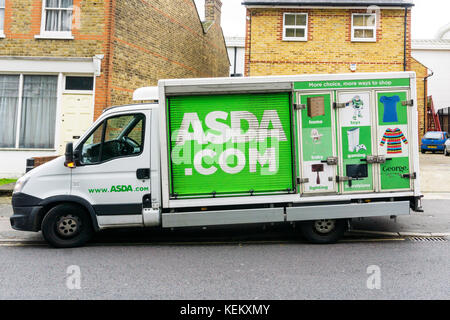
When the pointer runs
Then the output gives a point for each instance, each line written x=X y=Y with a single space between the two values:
x=141 y=40
x=159 y=40
x=329 y=48
x=90 y=31
x=23 y=22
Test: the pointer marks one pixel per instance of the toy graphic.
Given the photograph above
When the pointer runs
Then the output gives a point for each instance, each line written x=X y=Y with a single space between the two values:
x=316 y=136
x=353 y=141
x=357 y=105
x=394 y=138
x=317 y=168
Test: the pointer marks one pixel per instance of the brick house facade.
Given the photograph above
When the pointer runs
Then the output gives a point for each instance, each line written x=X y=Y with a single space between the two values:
x=331 y=39
x=81 y=56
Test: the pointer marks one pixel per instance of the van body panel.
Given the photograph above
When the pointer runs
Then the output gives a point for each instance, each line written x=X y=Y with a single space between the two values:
x=222 y=151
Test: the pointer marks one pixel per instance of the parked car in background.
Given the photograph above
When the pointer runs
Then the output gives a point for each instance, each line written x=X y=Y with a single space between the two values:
x=434 y=141
x=447 y=147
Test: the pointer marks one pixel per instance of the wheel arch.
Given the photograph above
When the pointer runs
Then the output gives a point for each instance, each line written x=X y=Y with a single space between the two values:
x=51 y=202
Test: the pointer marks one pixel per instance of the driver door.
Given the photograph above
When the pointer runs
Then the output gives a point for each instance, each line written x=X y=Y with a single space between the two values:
x=113 y=169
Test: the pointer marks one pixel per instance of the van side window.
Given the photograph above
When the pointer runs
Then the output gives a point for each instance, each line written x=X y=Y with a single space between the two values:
x=116 y=137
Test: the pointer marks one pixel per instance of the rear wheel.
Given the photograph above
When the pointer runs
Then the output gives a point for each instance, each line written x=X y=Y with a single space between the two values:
x=423 y=151
x=67 y=226
x=446 y=153
x=323 y=231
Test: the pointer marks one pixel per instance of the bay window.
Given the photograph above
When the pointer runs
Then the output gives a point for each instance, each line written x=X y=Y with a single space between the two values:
x=2 y=17
x=28 y=111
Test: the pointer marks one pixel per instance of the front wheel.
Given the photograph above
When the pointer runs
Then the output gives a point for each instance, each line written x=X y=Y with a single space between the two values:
x=67 y=226
x=323 y=231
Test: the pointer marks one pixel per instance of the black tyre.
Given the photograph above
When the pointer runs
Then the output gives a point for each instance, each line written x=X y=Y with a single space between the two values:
x=67 y=226
x=423 y=151
x=323 y=231
x=446 y=153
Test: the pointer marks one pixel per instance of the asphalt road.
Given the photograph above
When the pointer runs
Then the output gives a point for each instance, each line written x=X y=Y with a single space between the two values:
x=408 y=270
x=240 y=262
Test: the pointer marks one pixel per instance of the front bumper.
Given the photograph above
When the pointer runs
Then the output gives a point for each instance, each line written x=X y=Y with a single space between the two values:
x=26 y=219
x=27 y=212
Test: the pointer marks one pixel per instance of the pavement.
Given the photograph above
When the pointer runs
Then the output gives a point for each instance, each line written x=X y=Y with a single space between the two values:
x=434 y=221
x=7 y=189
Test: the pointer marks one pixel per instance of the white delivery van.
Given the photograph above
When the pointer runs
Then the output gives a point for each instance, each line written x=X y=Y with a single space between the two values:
x=317 y=150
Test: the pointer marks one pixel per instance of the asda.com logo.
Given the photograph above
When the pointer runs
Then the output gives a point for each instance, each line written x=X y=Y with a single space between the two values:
x=228 y=142
x=119 y=188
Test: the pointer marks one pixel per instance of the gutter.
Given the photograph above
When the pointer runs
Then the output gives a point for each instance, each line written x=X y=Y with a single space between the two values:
x=328 y=4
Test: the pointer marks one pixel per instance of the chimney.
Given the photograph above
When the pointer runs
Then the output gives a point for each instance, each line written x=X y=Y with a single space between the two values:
x=213 y=9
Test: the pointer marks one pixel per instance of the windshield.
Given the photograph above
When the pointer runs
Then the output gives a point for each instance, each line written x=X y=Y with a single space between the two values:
x=434 y=135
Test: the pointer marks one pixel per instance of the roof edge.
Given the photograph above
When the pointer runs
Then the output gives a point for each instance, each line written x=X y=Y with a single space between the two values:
x=328 y=4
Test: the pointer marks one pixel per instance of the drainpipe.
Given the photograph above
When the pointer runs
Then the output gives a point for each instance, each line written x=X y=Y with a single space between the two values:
x=235 y=59
x=425 y=84
x=404 y=38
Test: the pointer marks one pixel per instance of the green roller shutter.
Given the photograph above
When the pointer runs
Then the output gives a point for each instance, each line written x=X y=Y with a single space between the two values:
x=230 y=144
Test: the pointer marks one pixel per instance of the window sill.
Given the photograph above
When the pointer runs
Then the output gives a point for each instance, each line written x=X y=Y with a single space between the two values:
x=54 y=36
x=364 y=40
x=296 y=40
x=26 y=149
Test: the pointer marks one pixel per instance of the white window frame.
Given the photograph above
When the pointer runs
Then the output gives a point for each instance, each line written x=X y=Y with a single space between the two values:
x=2 y=29
x=78 y=91
x=305 y=38
x=67 y=35
x=374 y=28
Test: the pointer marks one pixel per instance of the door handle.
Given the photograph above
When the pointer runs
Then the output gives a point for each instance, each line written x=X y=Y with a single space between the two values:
x=331 y=161
x=143 y=174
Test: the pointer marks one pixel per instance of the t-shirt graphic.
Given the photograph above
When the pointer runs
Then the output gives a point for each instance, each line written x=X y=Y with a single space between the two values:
x=390 y=108
x=394 y=140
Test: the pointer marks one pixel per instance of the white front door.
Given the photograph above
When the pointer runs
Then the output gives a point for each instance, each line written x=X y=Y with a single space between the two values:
x=113 y=173
x=77 y=115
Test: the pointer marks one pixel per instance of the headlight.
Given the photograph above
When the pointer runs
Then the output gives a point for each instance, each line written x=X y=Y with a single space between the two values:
x=20 y=184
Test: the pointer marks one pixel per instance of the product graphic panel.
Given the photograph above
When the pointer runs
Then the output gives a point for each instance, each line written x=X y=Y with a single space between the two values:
x=356 y=111
x=317 y=143
x=390 y=109
x=316 y=106
x=318 y=176
x=230 y=144
x=393 y=140
x=356 y=141
x=392 y=174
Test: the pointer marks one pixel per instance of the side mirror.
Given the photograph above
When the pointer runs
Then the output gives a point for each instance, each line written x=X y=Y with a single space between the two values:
x=70 y=163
